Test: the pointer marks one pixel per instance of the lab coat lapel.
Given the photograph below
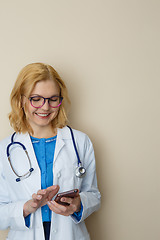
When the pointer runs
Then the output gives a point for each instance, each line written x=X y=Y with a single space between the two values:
x=59 y=144
x=62 y=134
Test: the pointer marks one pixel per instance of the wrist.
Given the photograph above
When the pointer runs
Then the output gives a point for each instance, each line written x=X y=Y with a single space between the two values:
x=78 y=208
x=25 y=210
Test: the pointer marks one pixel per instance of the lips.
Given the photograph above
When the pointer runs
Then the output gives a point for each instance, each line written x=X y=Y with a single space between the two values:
x=42 y=115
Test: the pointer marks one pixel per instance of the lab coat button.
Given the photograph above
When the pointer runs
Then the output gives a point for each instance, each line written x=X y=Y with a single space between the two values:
x=54 y=230
x=59 y=175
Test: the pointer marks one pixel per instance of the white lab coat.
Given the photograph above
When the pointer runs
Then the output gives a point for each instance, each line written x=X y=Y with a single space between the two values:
x=14 y=194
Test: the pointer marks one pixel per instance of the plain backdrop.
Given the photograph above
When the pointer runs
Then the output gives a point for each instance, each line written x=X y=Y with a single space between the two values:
x=108 y=53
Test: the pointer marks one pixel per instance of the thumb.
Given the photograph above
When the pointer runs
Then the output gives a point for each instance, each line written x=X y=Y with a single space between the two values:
x=53 y=190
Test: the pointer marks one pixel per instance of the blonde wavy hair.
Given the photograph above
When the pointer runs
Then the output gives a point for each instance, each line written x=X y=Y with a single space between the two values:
x=24 y=85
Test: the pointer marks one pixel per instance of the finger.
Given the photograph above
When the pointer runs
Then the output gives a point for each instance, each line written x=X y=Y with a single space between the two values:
x=41 y=192
x=36 y=197
x=77 y=194
x=67 y=200
x=54 y=188
x=70 y=200
x=61 y=209
x=75 y=203
x=53 y=207
x=52 y=191
x=52 y=194
x=58 y=208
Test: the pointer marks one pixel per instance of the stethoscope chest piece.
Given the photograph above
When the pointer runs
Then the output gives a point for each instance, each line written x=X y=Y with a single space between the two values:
x=80 y=171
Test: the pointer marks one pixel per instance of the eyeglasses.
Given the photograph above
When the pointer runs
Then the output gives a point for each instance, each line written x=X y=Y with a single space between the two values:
x=39 y=101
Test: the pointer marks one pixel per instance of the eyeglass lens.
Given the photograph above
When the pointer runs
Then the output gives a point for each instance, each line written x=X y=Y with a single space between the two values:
x=38 y=101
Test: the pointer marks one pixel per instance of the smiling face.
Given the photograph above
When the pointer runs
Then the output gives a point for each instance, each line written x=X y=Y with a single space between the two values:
x=40 y=118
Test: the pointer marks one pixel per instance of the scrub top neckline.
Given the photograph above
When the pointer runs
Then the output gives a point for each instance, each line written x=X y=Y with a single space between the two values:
x=41 y=139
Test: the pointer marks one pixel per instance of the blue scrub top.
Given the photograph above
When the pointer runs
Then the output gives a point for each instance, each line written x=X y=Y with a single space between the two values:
x=44 y=151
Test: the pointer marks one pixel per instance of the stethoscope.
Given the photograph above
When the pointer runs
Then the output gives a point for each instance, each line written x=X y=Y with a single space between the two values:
x=80 y=170
x=31 y=169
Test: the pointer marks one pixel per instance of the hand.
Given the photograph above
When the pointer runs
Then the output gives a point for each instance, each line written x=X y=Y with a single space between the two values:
x=74 y=206
x=39 y=199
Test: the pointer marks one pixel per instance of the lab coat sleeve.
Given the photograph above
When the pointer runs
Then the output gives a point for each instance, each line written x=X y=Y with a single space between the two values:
x=11 y=213
x=89 y=193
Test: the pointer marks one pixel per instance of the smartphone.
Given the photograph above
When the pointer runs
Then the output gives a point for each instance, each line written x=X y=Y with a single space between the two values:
x=69 y=194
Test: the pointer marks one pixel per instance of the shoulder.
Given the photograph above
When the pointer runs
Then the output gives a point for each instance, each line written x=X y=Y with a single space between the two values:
x=66 y=133
x=18 y=137
x=80 y=137
x=3 y=147
x=5 y=141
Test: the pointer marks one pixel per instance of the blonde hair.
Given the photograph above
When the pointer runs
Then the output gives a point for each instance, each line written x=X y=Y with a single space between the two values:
x=24 y=85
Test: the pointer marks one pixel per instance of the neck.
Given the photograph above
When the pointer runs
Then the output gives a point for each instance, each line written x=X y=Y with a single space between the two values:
x=44 y=133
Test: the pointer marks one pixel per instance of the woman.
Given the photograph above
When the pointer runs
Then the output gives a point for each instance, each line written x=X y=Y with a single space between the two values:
x=39 y=160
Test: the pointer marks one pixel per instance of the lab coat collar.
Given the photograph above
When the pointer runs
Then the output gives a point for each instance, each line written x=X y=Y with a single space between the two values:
x=62 y=135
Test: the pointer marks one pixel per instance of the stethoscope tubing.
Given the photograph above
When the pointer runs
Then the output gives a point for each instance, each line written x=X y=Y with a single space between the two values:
x=13 y=143
x=74 y=144
x=31 y=169
x=80 y=171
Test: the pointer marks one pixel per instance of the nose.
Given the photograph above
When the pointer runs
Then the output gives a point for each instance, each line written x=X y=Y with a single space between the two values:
x=46 y=105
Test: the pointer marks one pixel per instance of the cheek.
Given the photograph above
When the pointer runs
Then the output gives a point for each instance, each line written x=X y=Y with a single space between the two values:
x=55 y=113
x=28 y=110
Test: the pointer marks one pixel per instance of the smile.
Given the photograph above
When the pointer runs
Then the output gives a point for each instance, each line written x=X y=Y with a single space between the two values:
x=42 y=114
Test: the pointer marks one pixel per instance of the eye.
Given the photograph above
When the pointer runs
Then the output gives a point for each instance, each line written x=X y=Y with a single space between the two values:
x=54 y=99
x=36 y=99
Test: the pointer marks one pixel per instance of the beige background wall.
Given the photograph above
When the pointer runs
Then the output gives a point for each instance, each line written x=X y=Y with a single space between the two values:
x=109 y=55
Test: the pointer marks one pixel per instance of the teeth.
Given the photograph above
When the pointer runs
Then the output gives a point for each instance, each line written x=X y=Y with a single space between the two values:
x=43 y=114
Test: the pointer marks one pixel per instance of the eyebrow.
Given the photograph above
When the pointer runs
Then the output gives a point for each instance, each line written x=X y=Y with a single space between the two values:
x=37 y=95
